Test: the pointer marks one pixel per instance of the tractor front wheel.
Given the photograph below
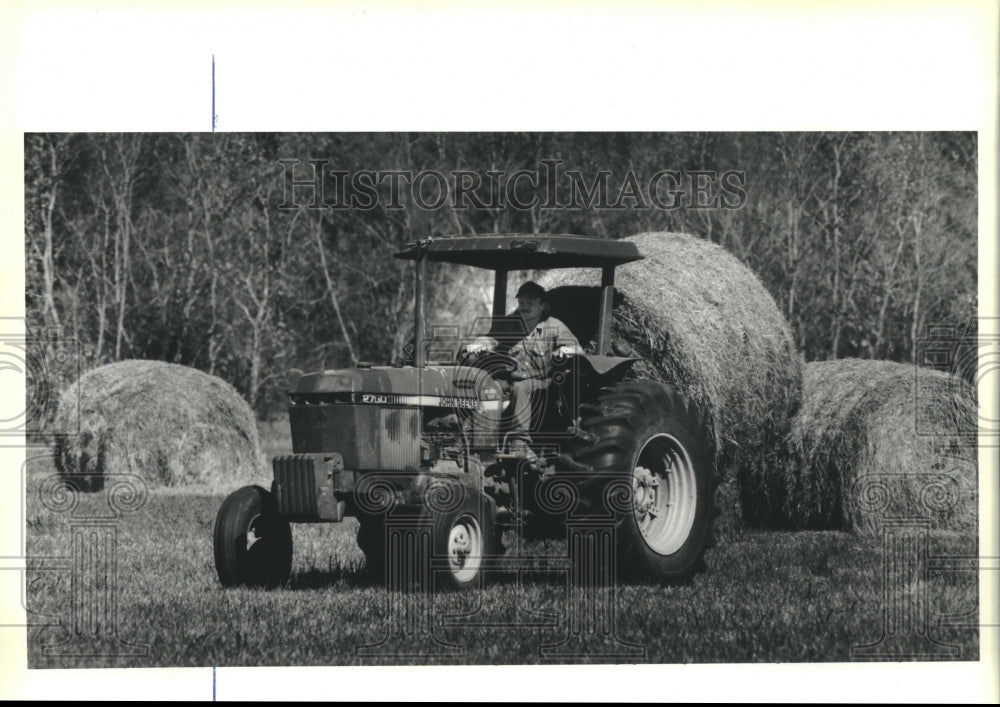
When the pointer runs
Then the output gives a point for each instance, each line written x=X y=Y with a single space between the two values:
x=449 y=541
x=253 y=544
x=462 y=542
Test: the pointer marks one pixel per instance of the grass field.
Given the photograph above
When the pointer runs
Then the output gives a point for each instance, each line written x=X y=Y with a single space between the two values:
x=768 y=596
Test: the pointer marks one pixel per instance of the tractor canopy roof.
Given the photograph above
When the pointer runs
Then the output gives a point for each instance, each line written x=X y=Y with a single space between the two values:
x=514 y=251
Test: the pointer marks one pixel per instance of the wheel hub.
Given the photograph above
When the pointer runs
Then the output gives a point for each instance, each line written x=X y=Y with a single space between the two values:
x=644 y=490
x=458 y=543
x=252 y=536
x=465 y=548
x=665 y=494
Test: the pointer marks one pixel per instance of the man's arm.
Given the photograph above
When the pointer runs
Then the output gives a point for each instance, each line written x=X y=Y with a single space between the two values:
x=482 y=343
x=500 y=328
x=535 y=352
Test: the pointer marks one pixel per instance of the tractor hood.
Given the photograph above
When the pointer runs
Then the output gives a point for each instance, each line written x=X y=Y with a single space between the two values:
x=375 y=417
x=406 y=385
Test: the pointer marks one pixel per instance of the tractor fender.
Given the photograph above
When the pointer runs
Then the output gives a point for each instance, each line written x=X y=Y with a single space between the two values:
x=608 y=368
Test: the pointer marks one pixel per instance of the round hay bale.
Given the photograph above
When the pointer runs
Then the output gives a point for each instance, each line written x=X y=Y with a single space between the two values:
x=702 y=322
x=172 y=425
x=876 y=440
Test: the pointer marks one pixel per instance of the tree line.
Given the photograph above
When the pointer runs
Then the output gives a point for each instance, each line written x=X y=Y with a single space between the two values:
x=224 y=252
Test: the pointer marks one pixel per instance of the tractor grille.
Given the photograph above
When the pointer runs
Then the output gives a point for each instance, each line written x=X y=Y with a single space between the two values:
x=400 y=443
x=369 y=437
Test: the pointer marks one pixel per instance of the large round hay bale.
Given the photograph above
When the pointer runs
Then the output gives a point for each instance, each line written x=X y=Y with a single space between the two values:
x=172 y=425
x=702 y=322
x=876 y=440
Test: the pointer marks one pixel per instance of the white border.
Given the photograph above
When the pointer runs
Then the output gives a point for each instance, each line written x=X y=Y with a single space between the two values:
x=561 y=66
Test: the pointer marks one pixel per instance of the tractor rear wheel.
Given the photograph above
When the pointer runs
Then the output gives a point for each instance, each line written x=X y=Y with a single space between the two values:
x=653 y=473
x=253 y=544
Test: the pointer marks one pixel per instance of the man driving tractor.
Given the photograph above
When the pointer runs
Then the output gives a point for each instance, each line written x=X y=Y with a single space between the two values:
x=531 y=348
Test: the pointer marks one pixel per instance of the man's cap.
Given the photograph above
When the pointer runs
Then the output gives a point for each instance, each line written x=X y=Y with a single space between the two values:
x=531 y=290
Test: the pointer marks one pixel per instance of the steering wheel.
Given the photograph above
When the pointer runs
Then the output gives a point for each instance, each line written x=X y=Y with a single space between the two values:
x=498 y=365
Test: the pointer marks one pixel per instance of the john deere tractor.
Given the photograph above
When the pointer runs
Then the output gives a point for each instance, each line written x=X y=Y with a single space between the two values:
x=420 y=451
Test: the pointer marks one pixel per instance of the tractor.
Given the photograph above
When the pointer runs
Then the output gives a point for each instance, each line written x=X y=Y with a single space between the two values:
x=419 y=450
